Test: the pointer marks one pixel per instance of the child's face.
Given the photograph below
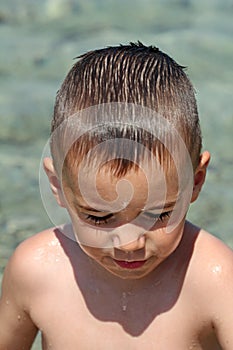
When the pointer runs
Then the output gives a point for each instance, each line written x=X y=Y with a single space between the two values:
x=123 y=224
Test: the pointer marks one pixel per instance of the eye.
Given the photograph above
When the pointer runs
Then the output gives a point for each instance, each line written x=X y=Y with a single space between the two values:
x=98 y=220
x=160 y=217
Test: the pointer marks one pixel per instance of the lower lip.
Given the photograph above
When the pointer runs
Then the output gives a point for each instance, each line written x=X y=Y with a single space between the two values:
x=130 y=264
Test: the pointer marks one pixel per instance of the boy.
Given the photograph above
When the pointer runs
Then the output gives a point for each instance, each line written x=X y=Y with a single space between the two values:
x=130 y=272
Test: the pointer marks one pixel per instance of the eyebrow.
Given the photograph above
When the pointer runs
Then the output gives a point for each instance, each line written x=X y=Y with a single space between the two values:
x=92 y=209
x=88 y=208
x=166 y=206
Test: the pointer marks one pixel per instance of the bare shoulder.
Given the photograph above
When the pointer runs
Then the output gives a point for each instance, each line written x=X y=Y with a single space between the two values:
x=35 y=260
x=20 y=285
x=218 y=257
x=210 y=283
x=211 y=264
x=26 y=259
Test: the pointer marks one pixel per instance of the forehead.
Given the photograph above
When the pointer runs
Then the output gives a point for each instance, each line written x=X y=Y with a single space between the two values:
x=138 y=188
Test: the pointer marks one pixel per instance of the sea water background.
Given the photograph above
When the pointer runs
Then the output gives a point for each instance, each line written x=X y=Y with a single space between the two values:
x=39 y=40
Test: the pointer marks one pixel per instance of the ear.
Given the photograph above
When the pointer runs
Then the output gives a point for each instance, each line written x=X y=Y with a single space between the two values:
x=54 y=181
x=200 y=175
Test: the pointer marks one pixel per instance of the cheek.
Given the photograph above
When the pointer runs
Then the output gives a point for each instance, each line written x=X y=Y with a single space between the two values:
x=87 y=235
x=165 y=243
x=95 y=253
x=89 y=251
x=90 y=238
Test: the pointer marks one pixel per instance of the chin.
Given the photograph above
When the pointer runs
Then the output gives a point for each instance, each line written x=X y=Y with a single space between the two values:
x=127 y=274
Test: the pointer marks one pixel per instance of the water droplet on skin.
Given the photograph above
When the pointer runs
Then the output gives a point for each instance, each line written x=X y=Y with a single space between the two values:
x=157 y=283
x=193 y=346
x=54 y=242
x=124 y=301
x=217 y=269
x=40 y=252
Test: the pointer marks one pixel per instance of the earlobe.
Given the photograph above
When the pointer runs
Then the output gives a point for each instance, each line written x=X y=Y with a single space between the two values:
x=200 y=175
x=54 y=181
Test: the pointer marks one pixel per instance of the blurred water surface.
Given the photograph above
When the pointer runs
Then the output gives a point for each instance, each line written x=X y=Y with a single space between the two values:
x=39 y=40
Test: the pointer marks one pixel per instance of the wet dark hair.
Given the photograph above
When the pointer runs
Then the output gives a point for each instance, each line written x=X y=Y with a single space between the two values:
x=130 y=74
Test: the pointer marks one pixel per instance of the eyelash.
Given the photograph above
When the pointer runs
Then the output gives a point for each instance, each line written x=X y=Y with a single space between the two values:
x=162 y=217
x=97 y=220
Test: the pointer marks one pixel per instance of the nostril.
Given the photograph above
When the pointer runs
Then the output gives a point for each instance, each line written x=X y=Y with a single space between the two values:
x=129 y=255
x=137 y=254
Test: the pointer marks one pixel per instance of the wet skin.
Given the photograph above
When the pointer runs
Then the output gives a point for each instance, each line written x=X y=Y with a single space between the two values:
x=179 y=298
x=136 y=233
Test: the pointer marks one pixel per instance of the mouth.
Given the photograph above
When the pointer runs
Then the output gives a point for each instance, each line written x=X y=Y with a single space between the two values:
x=130 y=264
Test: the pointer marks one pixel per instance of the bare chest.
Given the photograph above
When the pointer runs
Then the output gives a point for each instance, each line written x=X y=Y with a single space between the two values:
x=128 y=322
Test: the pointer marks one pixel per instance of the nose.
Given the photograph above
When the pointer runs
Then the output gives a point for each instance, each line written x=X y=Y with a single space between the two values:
x=131 y=245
